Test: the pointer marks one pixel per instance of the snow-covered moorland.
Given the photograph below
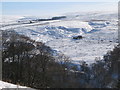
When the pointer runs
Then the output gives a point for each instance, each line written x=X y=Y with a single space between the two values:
x=99 y=32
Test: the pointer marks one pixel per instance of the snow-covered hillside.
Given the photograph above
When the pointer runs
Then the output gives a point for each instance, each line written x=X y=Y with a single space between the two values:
x=99 y=32
x=9 y=85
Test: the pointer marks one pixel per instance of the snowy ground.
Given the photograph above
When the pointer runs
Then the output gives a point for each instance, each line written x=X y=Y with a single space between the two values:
x=9 y=85
x=98 y=29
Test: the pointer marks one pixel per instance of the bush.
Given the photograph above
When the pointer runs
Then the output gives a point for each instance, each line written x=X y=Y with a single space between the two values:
x=77 y=37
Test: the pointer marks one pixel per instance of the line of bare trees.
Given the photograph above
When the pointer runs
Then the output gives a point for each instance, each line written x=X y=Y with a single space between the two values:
x=32 y=64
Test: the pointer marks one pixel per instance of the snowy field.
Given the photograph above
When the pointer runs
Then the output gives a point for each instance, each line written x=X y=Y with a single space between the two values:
x=99 y=31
